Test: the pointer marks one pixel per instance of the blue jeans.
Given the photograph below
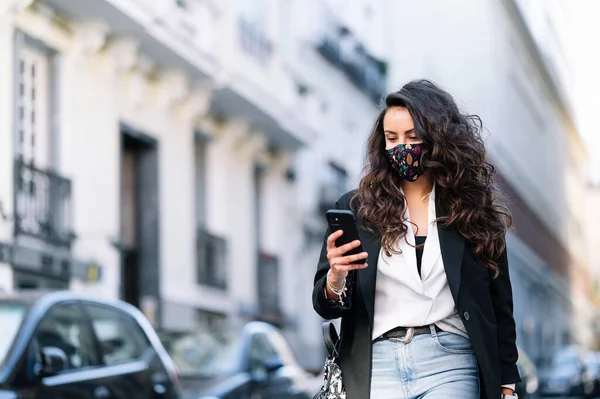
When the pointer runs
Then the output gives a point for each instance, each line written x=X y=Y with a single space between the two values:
x=439 y=365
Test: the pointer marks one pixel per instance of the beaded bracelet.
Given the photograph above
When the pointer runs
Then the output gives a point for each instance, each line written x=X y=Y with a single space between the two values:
x=341 y=292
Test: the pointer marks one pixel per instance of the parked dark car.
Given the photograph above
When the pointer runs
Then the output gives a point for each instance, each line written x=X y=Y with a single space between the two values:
x=256 y=362
x=67 y=346
x=529 y=385
x=566 y=375
x=591 y=362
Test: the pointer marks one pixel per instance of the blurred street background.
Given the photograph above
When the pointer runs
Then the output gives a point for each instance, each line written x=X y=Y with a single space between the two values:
x=180 y=155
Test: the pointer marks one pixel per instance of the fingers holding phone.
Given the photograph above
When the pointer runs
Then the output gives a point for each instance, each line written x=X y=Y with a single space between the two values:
x=340 y=261
x=344 y=250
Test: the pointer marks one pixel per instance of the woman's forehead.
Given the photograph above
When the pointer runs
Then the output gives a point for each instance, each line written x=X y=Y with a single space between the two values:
x=397 y=120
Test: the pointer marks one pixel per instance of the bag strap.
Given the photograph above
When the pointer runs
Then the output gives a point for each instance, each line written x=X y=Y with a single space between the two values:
x=331 y=338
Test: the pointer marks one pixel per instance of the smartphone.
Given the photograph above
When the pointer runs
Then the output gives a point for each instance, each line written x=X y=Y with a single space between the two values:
x=341 y=219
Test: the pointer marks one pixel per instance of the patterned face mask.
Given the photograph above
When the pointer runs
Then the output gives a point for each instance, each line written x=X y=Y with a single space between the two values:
x=406 y=160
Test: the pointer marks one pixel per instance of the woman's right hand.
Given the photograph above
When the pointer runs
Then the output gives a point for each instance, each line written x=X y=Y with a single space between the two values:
x=340 y=264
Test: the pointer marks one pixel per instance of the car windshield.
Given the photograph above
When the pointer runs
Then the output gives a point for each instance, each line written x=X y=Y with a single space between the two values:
x=203 y=353
x=11 y=317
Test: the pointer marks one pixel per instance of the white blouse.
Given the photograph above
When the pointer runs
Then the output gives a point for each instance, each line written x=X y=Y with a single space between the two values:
x=405 y=299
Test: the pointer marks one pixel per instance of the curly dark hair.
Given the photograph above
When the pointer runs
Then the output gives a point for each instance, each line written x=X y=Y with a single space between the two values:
x=454 y=157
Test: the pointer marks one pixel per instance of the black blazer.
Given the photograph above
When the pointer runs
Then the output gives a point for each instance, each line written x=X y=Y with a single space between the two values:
x=484 y=304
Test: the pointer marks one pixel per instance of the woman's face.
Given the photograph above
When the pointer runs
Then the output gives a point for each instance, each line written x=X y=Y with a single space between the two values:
x=398 y=128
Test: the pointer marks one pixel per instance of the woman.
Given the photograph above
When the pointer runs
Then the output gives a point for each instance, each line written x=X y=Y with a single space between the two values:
x=428 y=315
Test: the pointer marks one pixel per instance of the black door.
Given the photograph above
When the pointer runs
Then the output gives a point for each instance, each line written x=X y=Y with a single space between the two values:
x=65 y=329
x=130 y=266
x=140 y=244
x=136 y=370
x=269 y=384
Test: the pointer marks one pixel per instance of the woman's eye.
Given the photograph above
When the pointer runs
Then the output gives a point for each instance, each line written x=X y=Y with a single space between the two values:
x=413 y=138
x=391 y=139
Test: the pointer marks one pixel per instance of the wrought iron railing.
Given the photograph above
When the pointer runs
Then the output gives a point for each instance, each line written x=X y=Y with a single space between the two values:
x=364 y=70
x=42 y=204
x=254 y=41
x=329 y=48
x=211 y=266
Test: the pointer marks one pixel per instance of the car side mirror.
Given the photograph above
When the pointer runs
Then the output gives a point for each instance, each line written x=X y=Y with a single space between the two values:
x=54 y=361
x=273 y=363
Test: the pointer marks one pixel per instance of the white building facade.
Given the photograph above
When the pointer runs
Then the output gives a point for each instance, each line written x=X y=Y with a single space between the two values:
x=150 y=157
x=506 y=67
x=179 y=154
x=338 y=47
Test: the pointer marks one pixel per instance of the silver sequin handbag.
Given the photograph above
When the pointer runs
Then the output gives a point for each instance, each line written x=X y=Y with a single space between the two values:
x=333 y=387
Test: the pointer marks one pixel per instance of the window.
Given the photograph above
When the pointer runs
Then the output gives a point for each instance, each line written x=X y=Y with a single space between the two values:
x=253 y=28
x=121 y=339
x=64 y=327
x=200 y=157
x=268 y=284
x=335 y=183
x=34 y=114
x=211 y=320
x=204 y=354
x=261 y=351
x=338 y=177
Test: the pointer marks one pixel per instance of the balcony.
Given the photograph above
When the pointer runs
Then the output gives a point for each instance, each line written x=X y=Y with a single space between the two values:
x=268 y=288
x=346 y=53
x=174 y=34
x=211 y=266
x=42 y=204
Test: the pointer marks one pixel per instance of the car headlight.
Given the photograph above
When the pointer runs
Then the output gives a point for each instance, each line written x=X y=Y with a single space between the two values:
x=208 y=397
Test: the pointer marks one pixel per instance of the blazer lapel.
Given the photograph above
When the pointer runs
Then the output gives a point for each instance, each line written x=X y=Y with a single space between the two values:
x=452 y=245
x=409 y=254
x=431 y=251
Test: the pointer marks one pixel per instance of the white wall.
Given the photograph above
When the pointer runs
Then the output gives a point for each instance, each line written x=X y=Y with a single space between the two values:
x=6 y=142
x=98 y=91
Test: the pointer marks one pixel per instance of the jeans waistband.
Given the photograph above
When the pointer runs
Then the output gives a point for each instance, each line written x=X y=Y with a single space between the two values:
x=405 y=334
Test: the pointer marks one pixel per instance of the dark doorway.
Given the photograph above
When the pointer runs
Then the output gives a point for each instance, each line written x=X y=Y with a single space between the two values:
x=139 y=219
